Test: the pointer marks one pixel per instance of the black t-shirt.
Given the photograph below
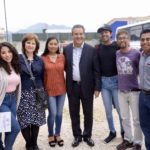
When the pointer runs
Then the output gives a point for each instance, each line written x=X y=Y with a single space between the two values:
x=107 y=59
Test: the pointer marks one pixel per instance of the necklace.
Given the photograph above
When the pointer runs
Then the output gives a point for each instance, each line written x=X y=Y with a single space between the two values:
x=53 y=58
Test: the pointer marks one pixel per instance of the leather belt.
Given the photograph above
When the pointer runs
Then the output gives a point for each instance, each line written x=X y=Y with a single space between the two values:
x=130 y=90
x=146 y=92
x=11 y=93
x=77 y=82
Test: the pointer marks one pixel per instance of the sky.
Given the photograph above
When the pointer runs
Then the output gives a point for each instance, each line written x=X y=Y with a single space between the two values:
x=90 y=13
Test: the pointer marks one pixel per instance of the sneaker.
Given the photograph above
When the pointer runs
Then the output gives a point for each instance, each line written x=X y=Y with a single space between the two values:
x=110 y=137
x=137 y=147
x=124 y=145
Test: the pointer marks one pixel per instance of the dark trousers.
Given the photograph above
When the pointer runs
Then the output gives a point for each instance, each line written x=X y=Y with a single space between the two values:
x=1 y=143
x=144 y=112
x=30 y=134
x=74 y=109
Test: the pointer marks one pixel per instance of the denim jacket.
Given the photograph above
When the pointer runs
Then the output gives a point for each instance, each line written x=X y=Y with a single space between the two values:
x=37 y=67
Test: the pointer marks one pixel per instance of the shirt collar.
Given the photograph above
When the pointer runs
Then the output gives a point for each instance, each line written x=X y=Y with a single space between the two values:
x=79 y=47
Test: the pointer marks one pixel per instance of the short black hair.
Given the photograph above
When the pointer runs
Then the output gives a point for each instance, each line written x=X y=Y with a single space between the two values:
x=144 y=31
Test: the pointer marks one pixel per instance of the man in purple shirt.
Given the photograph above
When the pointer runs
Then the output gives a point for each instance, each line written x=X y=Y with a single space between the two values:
x=127 y=60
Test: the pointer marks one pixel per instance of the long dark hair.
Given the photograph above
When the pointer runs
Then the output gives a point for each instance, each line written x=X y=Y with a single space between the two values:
x=15 y=60
x=46 y=51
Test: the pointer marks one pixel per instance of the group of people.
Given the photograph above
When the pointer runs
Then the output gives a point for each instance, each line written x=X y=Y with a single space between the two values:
x=125 y=84
x=17 y=91
x=111 y=68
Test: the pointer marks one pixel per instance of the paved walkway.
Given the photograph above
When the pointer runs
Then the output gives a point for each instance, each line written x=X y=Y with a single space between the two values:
x=100 y=131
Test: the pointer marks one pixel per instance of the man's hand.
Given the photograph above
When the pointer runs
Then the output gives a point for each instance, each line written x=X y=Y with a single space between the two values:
x=96 y=94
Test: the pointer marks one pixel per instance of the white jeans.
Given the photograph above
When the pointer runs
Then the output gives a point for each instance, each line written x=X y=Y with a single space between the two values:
x=130 y=101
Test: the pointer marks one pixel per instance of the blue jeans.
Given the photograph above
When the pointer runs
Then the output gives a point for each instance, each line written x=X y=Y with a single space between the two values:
x=55 y=107
x=9 y=105
x=110 y=96
x=144 y=112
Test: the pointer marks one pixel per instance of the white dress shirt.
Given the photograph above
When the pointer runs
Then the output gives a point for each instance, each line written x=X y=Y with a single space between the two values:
x=77 y=51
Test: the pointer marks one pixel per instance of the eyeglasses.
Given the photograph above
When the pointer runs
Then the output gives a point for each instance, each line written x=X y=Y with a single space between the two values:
x=122 y=38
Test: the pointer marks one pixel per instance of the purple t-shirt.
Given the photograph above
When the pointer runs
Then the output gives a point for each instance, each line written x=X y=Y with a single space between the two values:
x=127 y=67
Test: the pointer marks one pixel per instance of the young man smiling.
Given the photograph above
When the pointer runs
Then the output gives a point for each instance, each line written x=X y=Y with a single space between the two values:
x=127 y=66
x=107 y=59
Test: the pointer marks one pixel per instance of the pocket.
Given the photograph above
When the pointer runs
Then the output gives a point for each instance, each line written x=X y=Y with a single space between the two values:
x=147 y=71
x=114 y=82
x=147 y=67
x=110 y=82
x=105 y=82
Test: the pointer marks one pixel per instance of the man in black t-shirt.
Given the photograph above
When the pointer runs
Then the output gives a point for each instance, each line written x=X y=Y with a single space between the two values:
x=107 y=59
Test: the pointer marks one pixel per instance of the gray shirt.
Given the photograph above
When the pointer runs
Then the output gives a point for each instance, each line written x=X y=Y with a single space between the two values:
x=144 y=72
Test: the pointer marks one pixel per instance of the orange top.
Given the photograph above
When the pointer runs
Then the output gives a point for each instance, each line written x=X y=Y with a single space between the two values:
x=54 y=80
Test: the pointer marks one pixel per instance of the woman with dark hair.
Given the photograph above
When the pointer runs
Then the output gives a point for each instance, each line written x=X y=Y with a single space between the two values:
x=54 y=83
x=29 y=116
x=10 y=89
